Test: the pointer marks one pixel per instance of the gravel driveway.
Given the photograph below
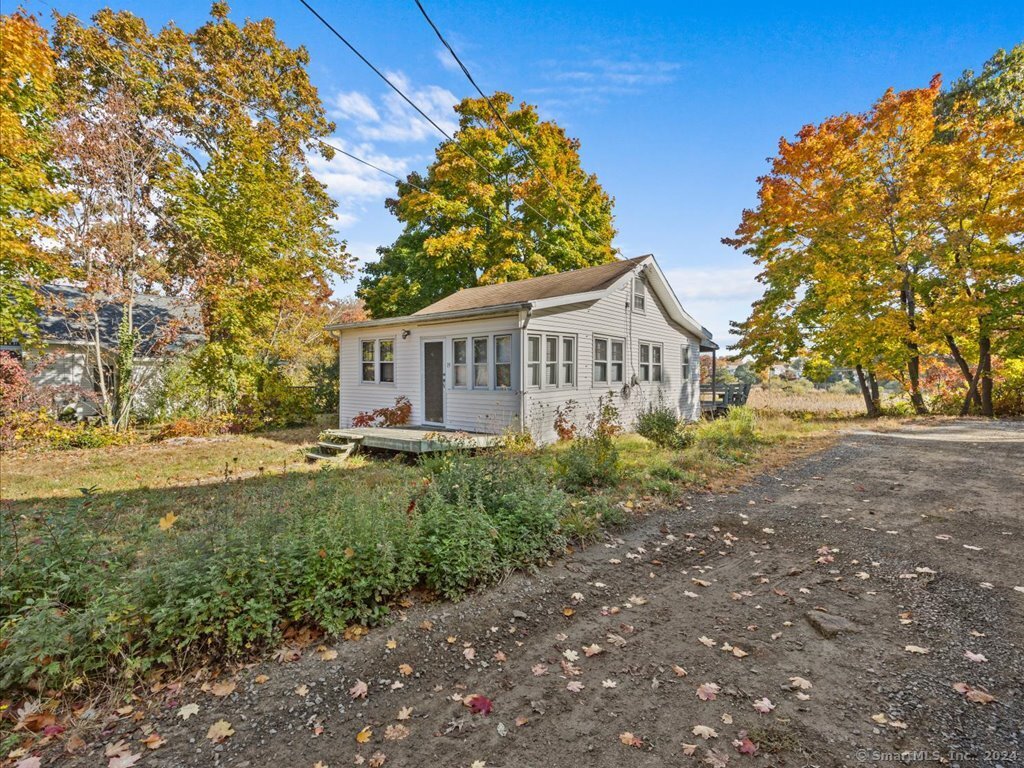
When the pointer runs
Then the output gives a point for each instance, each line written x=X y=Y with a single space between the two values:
x=863 y=602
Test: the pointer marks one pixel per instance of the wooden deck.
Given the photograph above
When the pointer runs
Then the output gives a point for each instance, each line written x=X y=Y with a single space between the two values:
x=410 y=439
x=716 y=401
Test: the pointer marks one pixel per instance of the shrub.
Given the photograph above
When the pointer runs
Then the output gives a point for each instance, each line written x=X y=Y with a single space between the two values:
x=24 y=429
x=481 y=517
x=732 y=436
x=661 y=426
x=565 y=424
x=389 y=416
x=588 y=462
x=195 y=426
x=1008 y=391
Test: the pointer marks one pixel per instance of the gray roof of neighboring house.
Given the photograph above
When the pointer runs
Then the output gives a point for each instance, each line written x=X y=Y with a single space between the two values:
x=160 y=320
x=533 y=288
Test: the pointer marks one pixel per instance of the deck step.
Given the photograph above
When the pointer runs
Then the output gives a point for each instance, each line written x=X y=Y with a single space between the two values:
x=328 y=446
x=330 y=452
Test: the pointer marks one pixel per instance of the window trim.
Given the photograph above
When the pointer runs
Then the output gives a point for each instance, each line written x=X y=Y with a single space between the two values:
x=639 y=289
x=456 y=365
x=608 y=361
x=538 y=363
x=686 y=365
x=563 y=362
x=377 y=362
x=558 y=362
x=488 y=361
x=495 y=362
x=650 y=364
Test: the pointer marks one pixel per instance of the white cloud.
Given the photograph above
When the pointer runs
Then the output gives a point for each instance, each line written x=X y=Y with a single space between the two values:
x=715 y=297
x=447 y=60
x=391 y=119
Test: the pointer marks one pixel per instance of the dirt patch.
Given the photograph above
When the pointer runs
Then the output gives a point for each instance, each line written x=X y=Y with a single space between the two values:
x=915 y=542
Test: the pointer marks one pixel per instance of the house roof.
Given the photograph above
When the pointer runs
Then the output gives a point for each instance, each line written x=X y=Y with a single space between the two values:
x=156 y=318
x=578 y=285
x=534 y=288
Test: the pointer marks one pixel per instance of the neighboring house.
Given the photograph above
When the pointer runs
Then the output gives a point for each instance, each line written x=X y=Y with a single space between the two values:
x=67 y=364
x=508 y=355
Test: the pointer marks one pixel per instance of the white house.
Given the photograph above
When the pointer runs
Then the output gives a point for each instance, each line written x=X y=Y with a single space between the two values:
x=508 y=355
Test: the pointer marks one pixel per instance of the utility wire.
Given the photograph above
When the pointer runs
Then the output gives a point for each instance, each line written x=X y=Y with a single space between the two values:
x=499 y=118
x=416 y=107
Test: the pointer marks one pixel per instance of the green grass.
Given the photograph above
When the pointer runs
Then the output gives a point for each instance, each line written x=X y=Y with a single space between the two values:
x=93 y=588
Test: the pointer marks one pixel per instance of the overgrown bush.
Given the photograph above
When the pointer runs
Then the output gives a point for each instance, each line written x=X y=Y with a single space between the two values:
x=732 y=436
x=661 y=425
x=588 y=462
x=39 y=429
x=388 y=416
x=481 y=517
x=1008 y=393
x=195 y=426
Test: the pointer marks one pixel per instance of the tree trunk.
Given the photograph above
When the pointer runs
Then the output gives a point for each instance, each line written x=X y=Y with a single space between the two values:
x=869 y=402
x=914 y=372
x=969 y=377
x=875 y=397
x=985 y=366
x=909 y=302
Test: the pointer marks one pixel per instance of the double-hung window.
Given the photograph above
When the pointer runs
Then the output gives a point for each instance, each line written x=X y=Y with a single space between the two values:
x=533 y=346
x=503 y=362
x=481 y=364
x=568 y=361
x=686 y=364
x=608 y=360
x=377 y=360
x=650 y=362
x=639 y=295
x=460 y=352
x=550 y=361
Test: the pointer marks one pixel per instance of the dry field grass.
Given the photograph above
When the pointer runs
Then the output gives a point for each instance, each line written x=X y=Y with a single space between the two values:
x=791 y=400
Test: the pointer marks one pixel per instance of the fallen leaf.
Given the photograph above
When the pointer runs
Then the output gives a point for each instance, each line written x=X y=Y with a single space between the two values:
x=745 y=746
x=302 y=690
x=689 y=749
x=707 y=691
x=880 y=718
x=764 y=705
x=469 y=653
x=980 y=658
x=327 y=654
x=801 y=683
x=220 y=731
x=125 y=761
x=377 y=759
x=915 y=649
x=630 y=740
x=167 y=521
x=396 y=732
x=739 y=653
x=260 y=679
x=539 y=670
x=404 y=713
x=188 y=710
x=617 y=640
x=727 y=718
x=359 y=690
x=570 y=654
x=705 y=732
x=707 y=641
x=574 y=686
x=593 y=650
x=223 y=688
x=608 y=683
x=364 y=735
x=405 y=670
x=479 y=704
x=679 y=671
x=154 y=740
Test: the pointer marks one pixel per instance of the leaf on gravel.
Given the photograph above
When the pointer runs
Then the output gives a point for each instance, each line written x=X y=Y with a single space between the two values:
x=739 y=653
x=220 y=731
x=405 y=670
x=617 y=640
x=404 y=713
x=708 y=691
x=704 y=732
x=396 y=732
x=154 y=740
x=880 y=718
x=630 y=740
x=679 y=671
x=980 y=658
x=223 y=688
x=745 y=746
x=364 y=735
x=326 y=654
x=701 y=582
x=302 y=690
x=801 y=683
x=377 y=759
x=689 y=749
x=637 y=600
x=125 y=761
x=705 y=640
x=500 y=657
x=764 y=705
x=188 y=710
x=469 y=652
x=1018 y=589
x=287 y=654
x=688 y=593
x=29 y=762
x=974 y=695
x=539 y=670
x=359 y=690
x=260 y=679
x=608 y=684
x=915 y=649
x=574 y=686
x=592 y=650
x=570 y=654
x=478 y=704
x=727 y=718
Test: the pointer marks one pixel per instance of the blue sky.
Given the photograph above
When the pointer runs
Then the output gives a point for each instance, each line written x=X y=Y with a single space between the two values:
x=677 y=105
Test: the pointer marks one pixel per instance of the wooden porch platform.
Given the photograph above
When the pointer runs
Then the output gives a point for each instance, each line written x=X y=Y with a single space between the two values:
x=411 y=439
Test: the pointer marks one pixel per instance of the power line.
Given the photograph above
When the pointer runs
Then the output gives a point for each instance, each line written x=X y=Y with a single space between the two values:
x=415 y=106
x=498 y=116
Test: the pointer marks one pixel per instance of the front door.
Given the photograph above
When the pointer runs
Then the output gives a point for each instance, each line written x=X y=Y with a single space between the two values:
x=433 y=382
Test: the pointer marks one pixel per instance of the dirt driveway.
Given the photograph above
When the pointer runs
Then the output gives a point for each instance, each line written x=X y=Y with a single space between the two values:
x=908 y=545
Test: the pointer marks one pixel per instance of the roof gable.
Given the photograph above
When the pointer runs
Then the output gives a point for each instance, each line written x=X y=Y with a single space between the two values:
x=533 y=289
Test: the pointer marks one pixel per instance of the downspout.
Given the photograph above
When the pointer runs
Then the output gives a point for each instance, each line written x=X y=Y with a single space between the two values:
x=524 y=320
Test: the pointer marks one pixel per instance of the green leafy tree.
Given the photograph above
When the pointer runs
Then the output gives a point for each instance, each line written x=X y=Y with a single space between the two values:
x=507 y=215
x=29 y=194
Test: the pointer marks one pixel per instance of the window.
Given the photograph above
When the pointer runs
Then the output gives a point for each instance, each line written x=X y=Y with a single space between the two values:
x=650 y=362
x=639 y=295
x=568 y=361
x=608 y=362
x=481 y=368
x=533 y=361
x=600 y=360
x=369 y=360
x=503 y=362
x=618 y=348
x=377 y=360
x=459 y=363
x=686 y=364
x=551 y=361
x=387 y=360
